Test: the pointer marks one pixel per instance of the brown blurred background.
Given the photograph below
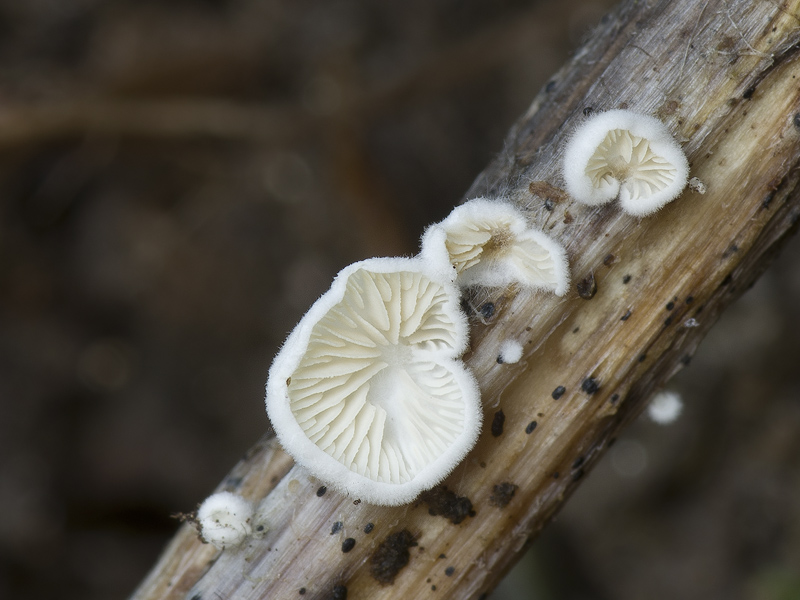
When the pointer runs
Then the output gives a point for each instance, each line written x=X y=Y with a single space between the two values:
x=179 y=181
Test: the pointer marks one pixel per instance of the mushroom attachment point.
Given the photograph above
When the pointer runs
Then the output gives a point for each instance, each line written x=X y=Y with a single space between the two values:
x=224 y=519
x=488 y=242
x=368 y=393
x=620 y=153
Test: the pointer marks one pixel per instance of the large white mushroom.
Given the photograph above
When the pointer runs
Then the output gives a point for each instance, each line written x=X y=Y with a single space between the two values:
x=621 y=153
x=488 y=242
x=368 y=393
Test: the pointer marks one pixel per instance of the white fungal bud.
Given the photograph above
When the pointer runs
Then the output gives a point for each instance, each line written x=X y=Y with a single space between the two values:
x=510 y=352
x=224 y=519
x=620 y=153
x=665 y=407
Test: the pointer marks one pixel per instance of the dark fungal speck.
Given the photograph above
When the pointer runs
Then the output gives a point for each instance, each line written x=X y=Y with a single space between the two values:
x=796 y=120
x=587 y=287
x=551 y=85
x=348 y=545
x=558 y=392
x=588 y=111
x=391 y=556
x=443 y=502
x=487 y=310
x=339 y=592
x=433 y=588
x=497 y=423
x=369 y=527
x=548 y=205
x=531 y=426
x=449 y=571
x=576 y=330
x=337 y=527
x=577 y=474
x=626 y=279
x=748 y=93
x=726 y=281
x=614 y=398
x=357 y=502
x=670 y=305
x=197 y=597
x=442 y=555
x=302 y=591
x=590 y=385
x=499 y=359
x=260 y=528
x=642 y=357
x=667 y=321
x=502 y=494
x=685 y=360
x=626 y=316
x=578 y=462
x=556 y=475
x=321 y=491
x=689 y=299
x=609 y=259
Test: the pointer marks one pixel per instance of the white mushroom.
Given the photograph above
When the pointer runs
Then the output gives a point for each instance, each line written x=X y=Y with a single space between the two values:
x=224 y=519
x=367 y=393
x=665 y=407
x=510 y=352
x=626 y=154
x=489 y=242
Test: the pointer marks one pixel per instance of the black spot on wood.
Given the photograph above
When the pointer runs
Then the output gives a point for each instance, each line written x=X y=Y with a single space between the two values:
x=667 y=321
x=590 y=385
x=337 y=527
x=730 y=250
x=443 y=502
x=502 y=494
x=391 y=556
x=556 y=475
x=487 y=310
x=614 y=398
x=433 y=588
x=577 y=475
x=497 y=423
x=369 y=527
x=548 y=204
x=796 y=120
x=197 y=597
x=339 y=592
x=670 y=305
x=609 y=259
x=748 y=93
x=642 y=357
x=768 y=200
x=578 y=463
x=449 y=571
x=348 y=545
x=551 y=85
x=442 y=555
x=626 y=279
x=302 y=591
x=588 y=111
x=587 y=287
x=558 y=392
x=260 y=528
x=689 y=299
x=626 y=316
x=726 y=281
x=685 y=360
x=321 y=491
x=531 y=426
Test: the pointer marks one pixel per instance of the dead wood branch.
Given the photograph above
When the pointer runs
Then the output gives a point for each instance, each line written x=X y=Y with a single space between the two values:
x=723 y=75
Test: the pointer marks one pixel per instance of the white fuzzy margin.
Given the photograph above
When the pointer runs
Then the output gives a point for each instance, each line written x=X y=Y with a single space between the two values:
x=323 y=466
x=590 y=134
x=492 y=273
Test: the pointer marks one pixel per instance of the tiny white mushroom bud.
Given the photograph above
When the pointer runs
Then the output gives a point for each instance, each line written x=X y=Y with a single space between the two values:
x=224 y=519
x=665 y=407
x=696 y=185
x=489 y=242
x=510 y=352
x=620 y=153
x=367 y=393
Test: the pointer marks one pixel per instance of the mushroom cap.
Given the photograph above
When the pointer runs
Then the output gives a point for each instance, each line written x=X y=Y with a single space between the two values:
x=626 y=154
x=489 y=242
x=224 y=519
x=367 y=393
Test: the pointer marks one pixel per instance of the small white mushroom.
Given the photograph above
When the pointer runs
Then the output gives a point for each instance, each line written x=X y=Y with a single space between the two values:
x=620 y=153
x=489 y=242
x=665 y=407
x=224 y=519
x=510 y=352
x=367 y=393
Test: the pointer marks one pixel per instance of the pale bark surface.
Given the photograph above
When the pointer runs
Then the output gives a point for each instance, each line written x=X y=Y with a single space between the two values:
x=725 y=77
